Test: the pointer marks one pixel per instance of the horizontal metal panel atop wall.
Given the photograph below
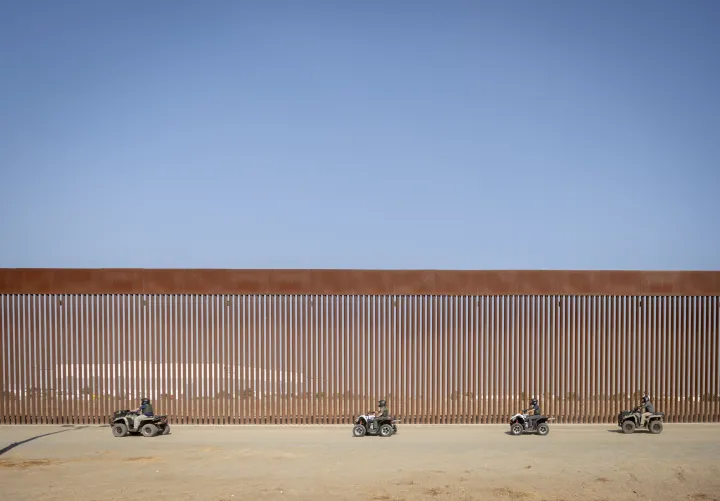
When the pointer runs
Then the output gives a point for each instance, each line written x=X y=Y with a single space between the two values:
x=359 y=282
x=323 y=359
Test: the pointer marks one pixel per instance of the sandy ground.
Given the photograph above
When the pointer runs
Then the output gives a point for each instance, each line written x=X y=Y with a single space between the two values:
x=588 y=462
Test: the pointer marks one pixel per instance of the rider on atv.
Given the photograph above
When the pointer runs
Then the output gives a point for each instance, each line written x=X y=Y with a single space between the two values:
x=145 y=410
x=382 y=409
x=534 y=410
x=382 y=412
x=646 y=409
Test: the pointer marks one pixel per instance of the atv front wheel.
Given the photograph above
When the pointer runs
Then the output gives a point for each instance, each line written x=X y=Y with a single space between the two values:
x=166 y=430
x=149 y=430
x=359 y=431
x=543 y=429
x=656 y=427
x=516 y=429
x=386 y=430
x=628 y=427
x=120 y=430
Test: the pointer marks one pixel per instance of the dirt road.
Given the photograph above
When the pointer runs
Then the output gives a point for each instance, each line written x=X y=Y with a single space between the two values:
x=573 y=462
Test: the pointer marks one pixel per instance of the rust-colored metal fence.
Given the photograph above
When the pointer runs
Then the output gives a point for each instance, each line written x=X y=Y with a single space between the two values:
x=265 y=350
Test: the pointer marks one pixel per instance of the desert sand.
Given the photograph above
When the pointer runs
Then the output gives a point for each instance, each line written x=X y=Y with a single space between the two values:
x=463 y=462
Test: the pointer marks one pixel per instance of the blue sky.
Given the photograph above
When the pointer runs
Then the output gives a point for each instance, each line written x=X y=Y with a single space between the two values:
x=319 y=134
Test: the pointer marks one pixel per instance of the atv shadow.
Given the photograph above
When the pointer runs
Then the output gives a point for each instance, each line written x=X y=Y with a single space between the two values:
x=633 y=433
x=16 y=444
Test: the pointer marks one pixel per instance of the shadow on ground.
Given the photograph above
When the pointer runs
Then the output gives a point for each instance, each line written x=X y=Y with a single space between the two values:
x=523 y=434
x=16 y=444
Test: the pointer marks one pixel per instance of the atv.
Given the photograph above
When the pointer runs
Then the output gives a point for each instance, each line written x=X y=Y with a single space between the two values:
x=369 y=424
x=523 y=423
x=629 y=421
x=122 y=424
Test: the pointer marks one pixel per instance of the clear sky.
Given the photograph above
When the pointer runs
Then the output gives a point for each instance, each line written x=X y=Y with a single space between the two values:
x=325 y=134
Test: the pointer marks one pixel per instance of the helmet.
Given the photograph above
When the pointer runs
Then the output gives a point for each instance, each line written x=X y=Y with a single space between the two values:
x=381 y=403
x=645 y=398
x=145 y=400
x=533 y=401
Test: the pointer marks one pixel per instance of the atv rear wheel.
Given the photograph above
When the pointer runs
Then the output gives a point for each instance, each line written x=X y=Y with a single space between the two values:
x=149 y=430
x=359 y=430
x=543 y=429
x=386 y=430
x=656 y=427
x=516 y=429
x=120 y=430
x=628 y=427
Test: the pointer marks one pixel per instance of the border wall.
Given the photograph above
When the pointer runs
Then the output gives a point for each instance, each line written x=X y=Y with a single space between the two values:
x=321 y=346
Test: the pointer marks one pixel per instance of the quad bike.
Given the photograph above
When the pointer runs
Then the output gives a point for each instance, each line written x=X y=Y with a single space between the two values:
x=368 y=424
x=523 y=423
x=629 y=421
x=122 y=424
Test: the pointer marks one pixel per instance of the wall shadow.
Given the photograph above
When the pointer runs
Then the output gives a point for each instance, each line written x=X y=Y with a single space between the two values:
x=17 y=444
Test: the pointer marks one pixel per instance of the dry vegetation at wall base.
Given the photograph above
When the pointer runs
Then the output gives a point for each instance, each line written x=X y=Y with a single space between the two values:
x=96 y=409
